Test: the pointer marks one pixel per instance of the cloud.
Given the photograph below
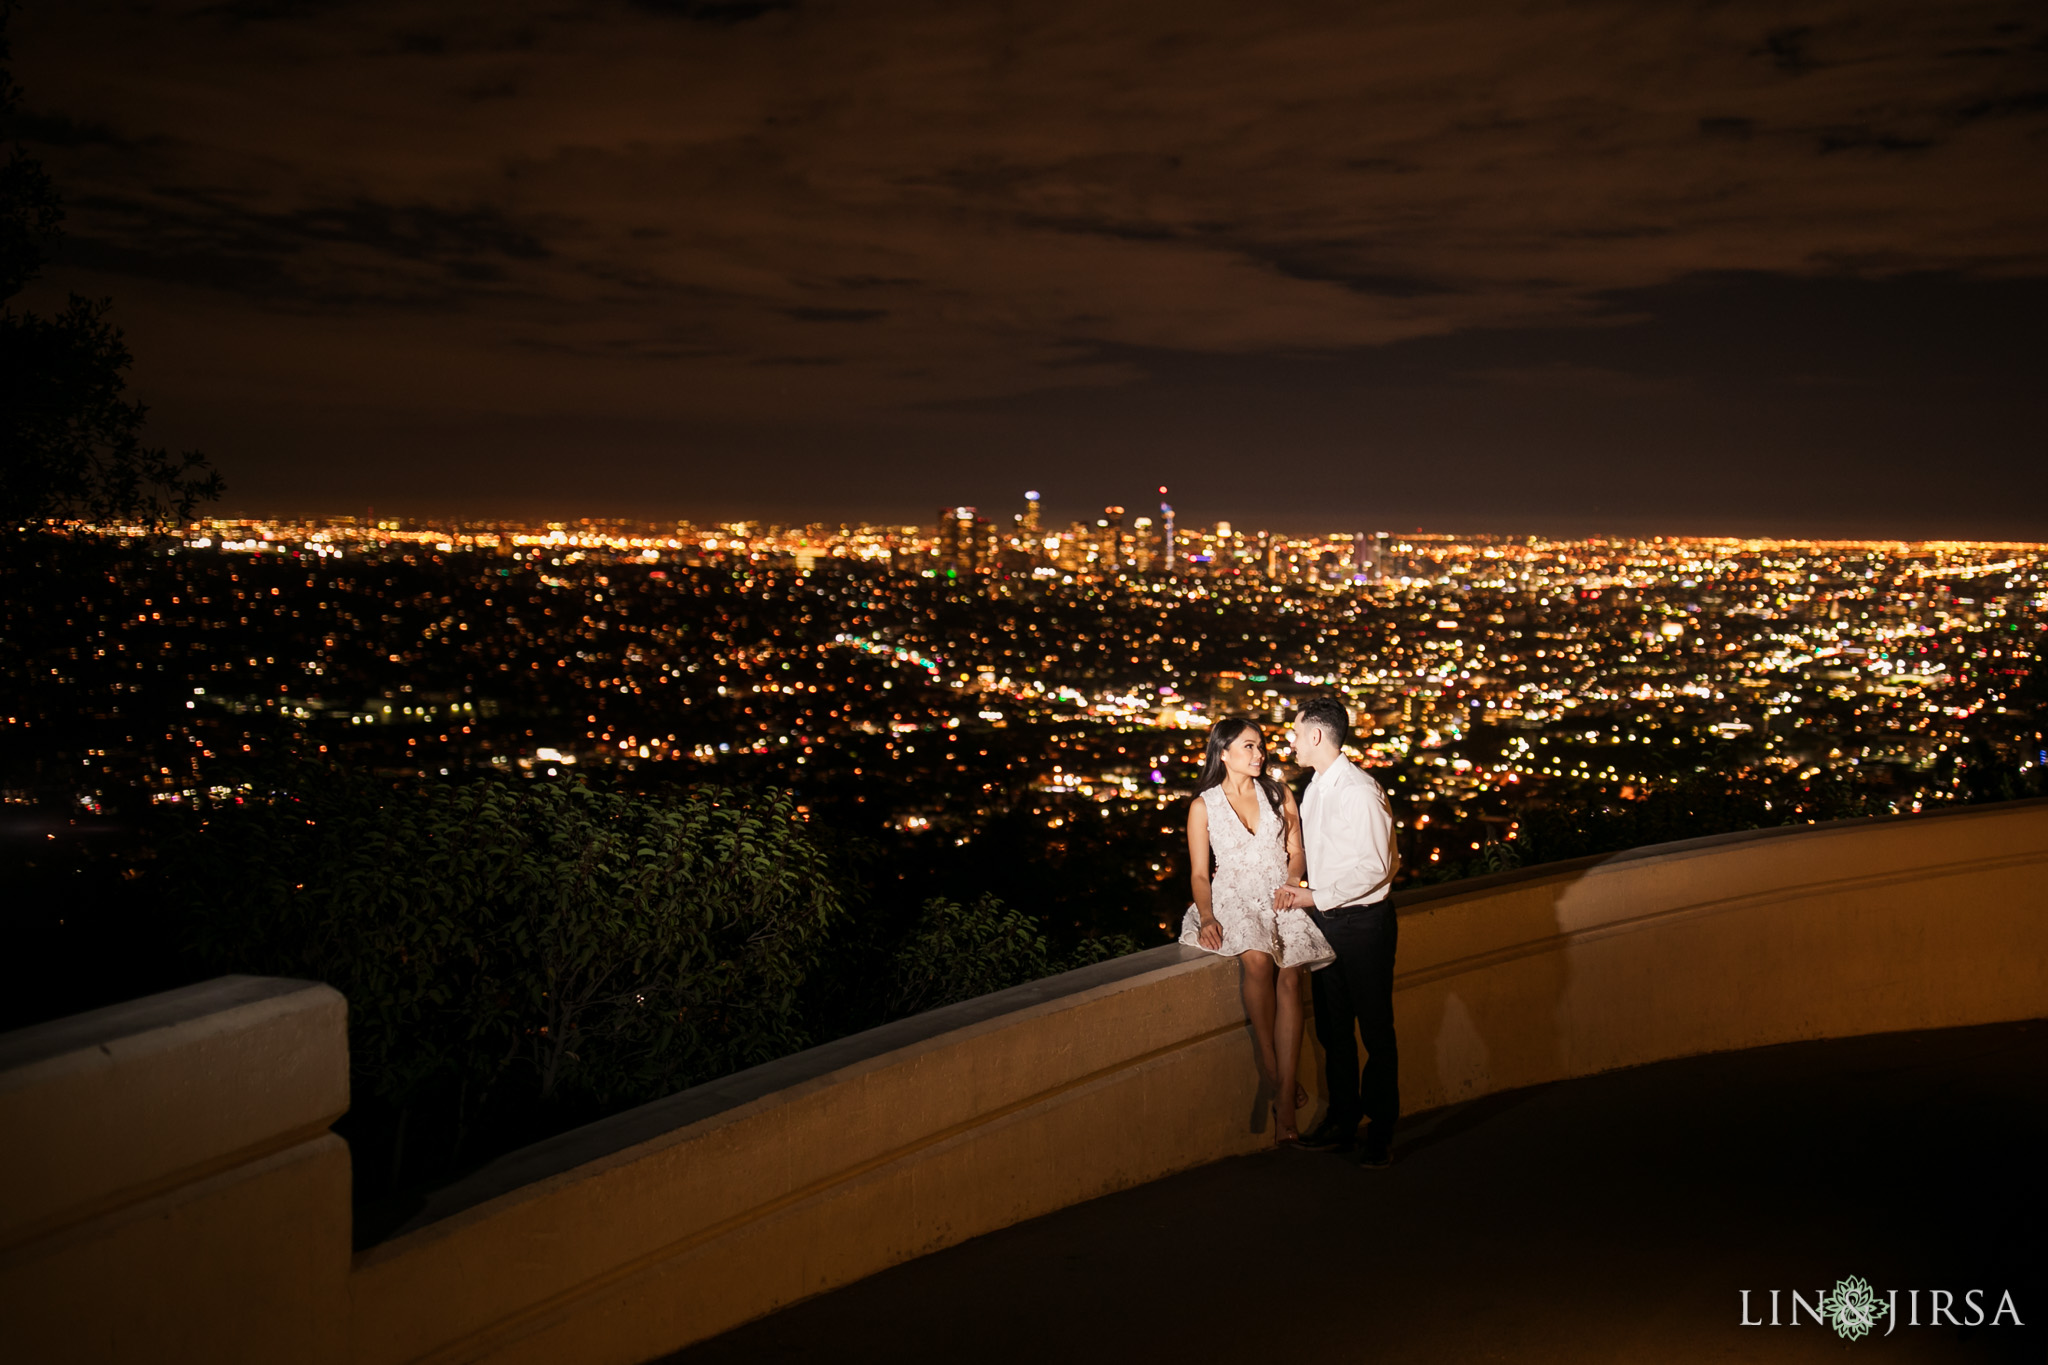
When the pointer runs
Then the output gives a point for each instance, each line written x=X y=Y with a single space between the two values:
x=836 y=314
x=715 y=11
x=686 y=203
x=342 y=255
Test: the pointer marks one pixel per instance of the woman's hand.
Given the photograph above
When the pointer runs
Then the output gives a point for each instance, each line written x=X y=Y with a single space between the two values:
x=1293 y=898
x=1211 y=935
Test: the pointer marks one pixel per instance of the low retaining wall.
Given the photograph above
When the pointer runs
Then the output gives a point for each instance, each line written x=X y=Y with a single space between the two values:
x=1735 y=941
x=168 y=1187
x=617 y=1243
x=670 y=1223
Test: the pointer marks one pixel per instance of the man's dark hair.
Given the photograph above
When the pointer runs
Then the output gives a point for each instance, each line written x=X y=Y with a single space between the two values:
x=1329 y=713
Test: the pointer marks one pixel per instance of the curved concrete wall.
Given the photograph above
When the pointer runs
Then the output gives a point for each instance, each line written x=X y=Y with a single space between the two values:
x=635 y=1236
x=670 y=1223
x=1723 y=943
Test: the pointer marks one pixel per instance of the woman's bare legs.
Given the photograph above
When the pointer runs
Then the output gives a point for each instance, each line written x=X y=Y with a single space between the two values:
x=1287 y=1013
x=1255 y=984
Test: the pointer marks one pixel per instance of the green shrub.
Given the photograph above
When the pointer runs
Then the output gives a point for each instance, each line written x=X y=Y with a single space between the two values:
x=544 y=937
x=956 y=953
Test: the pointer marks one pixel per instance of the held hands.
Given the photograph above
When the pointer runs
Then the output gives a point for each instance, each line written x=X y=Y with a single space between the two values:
x=1211 y=935
x=1291 y=897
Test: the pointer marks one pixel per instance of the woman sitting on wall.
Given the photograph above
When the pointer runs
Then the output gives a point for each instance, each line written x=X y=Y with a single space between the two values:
x=1247 y=820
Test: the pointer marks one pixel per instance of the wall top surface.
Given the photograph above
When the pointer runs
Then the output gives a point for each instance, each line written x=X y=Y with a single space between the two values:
x=1422 y=897
x=78 y=1032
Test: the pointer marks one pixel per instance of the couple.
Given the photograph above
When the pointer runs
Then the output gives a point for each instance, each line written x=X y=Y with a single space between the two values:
x=1339 y=925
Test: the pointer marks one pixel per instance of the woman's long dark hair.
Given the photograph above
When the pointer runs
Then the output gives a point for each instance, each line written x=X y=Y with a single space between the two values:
x=1222 y=735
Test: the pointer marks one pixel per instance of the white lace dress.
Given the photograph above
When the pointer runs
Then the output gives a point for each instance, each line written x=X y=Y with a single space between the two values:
x=1249 y=865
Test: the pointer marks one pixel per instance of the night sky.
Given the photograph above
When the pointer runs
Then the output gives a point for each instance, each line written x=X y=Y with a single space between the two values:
x=1566 y=268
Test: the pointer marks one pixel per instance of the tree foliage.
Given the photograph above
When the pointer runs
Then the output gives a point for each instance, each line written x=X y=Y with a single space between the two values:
x=521 y=957
x=564 y=942
x=71 y=445
x=957 y=952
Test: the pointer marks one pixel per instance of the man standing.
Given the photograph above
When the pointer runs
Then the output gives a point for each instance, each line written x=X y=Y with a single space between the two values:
x=1348 y=833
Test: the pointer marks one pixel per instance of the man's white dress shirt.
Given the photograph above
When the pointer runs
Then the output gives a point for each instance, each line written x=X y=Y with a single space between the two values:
x=1347 y=832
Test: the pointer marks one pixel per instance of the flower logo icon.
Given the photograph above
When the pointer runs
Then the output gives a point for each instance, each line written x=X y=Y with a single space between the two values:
x=1852 y=1309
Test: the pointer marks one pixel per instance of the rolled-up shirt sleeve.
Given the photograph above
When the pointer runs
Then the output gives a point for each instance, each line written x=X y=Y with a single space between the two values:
x=1357 y=821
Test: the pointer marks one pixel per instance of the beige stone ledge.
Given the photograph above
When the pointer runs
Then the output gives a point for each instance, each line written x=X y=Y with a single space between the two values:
x=168 y=1187
x=117 y=1105
x=501 y=1271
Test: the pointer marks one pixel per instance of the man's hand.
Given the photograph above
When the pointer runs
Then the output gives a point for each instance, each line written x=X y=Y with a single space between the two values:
x=1293 y=898
x=1211 y=935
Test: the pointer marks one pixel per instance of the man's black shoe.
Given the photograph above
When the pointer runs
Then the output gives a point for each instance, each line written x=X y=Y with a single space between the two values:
x=1329 y=1137
x=1375 y=1155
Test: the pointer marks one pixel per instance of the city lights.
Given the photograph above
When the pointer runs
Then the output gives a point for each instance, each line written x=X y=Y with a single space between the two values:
x=971 y=668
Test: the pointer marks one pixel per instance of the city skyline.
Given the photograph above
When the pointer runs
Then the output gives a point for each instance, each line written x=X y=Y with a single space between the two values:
x=1440 y=640
x=1735 y=270
x=1055 y=516
x=949 y=699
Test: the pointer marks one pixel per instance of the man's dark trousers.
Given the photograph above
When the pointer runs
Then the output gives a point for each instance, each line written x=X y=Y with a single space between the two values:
x=1359 y=988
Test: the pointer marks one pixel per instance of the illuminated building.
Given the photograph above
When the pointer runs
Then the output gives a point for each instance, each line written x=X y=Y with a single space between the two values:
x=957 y=544
x=1112 y=526
x=1076 y=549
x=988 y=539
